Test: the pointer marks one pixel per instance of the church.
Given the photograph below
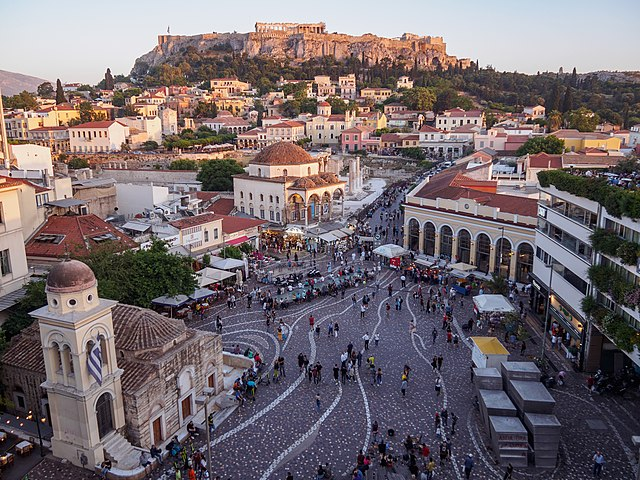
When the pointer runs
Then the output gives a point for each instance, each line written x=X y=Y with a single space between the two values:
x=106 y=375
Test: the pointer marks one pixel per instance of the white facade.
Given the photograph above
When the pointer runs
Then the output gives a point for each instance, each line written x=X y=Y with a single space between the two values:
x=98 y=137
x=133 y=199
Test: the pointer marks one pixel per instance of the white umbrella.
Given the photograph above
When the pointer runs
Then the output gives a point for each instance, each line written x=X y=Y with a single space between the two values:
x=390 y=250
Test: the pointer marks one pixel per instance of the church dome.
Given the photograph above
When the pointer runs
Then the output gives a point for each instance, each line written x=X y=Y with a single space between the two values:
x=282 y=153
x=70 y=276
x=140 y=329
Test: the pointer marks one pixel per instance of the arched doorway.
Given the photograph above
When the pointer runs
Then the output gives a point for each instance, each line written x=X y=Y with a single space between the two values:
x=524 y=262
x=464 y=246
x=483 y=252
x=503 y=257
x=414 y=235
x=104 y=414
x=446 y=242
x=429 y=239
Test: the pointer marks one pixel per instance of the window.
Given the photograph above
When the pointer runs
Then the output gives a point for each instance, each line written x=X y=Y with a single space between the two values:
x=215 y=230
x=5 y=263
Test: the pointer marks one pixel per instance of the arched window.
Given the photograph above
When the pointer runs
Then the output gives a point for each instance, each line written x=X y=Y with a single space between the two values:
x=524 y=262
x=483 y=252
x=446 y=242
x=414 y=235
x=464 y=246
x=429 y=239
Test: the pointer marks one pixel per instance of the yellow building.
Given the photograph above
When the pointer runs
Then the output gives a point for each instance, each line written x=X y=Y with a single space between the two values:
x=575 y=141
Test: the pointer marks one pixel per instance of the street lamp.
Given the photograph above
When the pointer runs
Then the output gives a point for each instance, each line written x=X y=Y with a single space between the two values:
x=546 y=309
x=208 y=392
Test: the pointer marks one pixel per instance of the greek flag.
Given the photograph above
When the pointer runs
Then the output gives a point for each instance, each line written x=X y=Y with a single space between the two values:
x=94 y=361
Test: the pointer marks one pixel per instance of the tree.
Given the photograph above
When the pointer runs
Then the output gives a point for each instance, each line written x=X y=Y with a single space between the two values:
x=108 y=80
x=583 y=120
x=554 y=120
x=60 y=98
x=549 y=144
x=183 y=164
x=45 y=90
x=77 y=162
x=137 y=277
x=567 y=103
x=150 y=145
x=217 y=175
x=419 y=98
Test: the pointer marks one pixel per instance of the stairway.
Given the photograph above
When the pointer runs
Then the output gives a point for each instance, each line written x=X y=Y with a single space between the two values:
x=120 y=451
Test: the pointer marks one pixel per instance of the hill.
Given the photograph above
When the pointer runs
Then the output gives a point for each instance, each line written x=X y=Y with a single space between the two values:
x=13 y=83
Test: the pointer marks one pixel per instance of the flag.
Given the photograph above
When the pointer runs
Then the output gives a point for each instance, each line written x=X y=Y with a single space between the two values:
x=94 y=362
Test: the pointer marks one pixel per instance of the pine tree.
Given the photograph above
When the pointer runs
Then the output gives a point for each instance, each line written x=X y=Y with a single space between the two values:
x=567 y=104
x=60 y=98
x=108 y=80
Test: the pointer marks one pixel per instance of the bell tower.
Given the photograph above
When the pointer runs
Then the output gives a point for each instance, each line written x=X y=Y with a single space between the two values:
x=85 y=394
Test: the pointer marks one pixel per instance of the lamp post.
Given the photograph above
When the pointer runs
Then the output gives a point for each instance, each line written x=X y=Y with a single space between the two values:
x=546 y=309
x=204 y=400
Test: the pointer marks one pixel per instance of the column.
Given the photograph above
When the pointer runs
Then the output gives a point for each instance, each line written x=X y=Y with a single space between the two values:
x=513 y=260
x=420 y=240
x=454 y=248
x=472 y=253
x=492 y=258
x=436 y=250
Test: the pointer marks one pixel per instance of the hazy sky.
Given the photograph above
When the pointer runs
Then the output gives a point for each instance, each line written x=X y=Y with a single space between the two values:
x=77 y=40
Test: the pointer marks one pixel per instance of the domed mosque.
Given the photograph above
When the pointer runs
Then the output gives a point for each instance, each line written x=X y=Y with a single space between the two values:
x=105 y=375
x=286 y=185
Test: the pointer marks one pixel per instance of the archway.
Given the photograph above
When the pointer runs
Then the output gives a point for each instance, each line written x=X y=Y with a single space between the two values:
x=464 y=246
x=483 y=252
x=429 y=239
x=524 y=262
x=104 y=414
x=414 y=235
x=446 y=242
x=503 y=257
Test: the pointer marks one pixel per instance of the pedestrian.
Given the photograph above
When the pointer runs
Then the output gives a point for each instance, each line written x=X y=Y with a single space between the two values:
x=598 y=463
x=376 y=338
x=440 y=360
x=438 y=386
x=318 y=404
x=336 y=373
x=523 y=347
x=468 y=465
x=365 y=337
x=403 y=386
x=508 y=473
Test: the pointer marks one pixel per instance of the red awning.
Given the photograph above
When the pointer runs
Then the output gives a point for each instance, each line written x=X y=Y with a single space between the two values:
x=238 y=241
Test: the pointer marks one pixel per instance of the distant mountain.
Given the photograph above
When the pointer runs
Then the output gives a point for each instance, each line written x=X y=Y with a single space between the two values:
x=12 y=83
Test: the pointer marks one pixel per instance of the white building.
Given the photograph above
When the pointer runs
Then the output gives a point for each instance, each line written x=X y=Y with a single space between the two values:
x=95 y=137
x=286 y=185
x=456 y=117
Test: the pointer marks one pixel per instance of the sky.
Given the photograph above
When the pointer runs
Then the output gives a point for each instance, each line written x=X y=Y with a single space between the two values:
x=77 y=40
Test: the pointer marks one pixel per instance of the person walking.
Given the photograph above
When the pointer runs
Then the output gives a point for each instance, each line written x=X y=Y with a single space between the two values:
x=365 y=337
x=468 y=466
x=598 y=463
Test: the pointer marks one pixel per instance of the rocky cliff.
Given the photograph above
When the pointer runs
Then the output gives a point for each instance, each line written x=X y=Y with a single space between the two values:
x=427 y=52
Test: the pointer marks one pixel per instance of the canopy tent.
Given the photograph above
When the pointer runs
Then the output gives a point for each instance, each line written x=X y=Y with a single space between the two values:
x=463 y=267
x=166 y=301
x=208 y=276
x=328 y=237
x=228 y=264
x=492 y=303
x=390 y=250
x=201 y=293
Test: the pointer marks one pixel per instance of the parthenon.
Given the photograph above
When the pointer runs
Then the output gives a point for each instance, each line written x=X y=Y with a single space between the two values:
x=291 y=27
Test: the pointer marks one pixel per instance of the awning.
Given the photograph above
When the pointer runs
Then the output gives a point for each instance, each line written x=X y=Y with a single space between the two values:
x=328 y=237
x=338 y=233
x=238 y=241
